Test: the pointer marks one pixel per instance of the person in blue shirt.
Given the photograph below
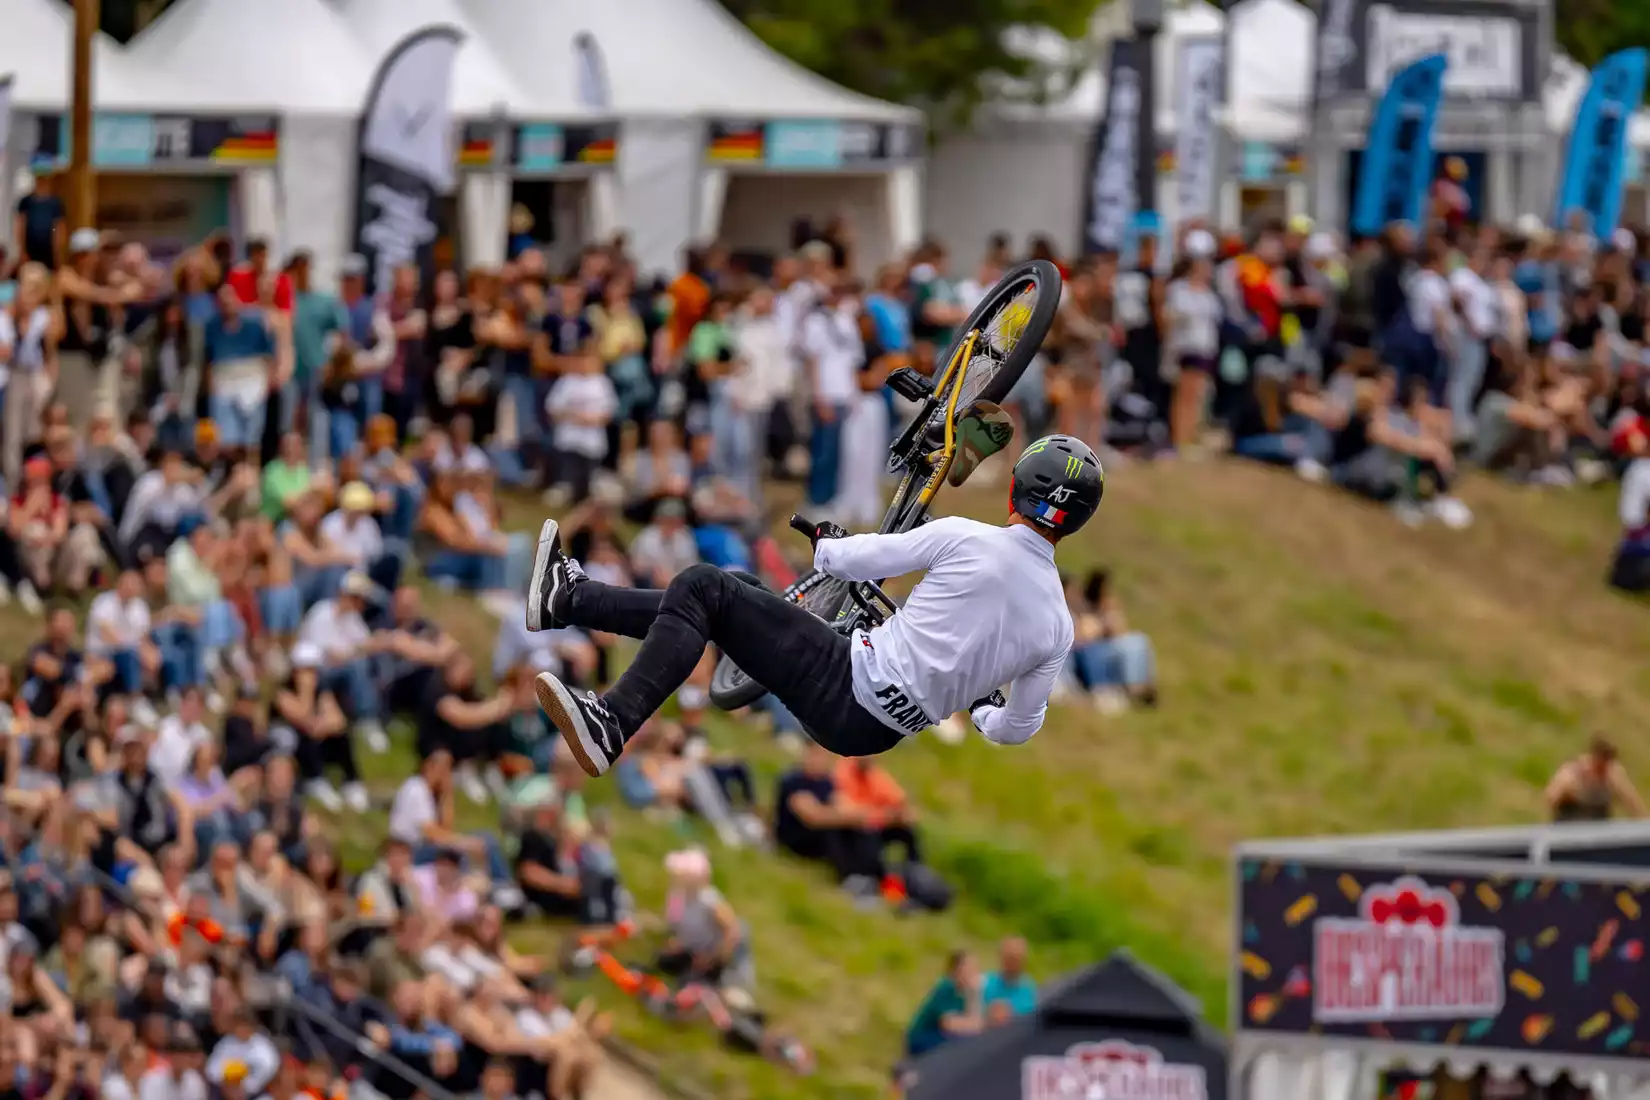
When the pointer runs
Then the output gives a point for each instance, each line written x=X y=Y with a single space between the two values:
x=951 y=1008
x=240 y=353
x=1538 y=278
x=1009 y=985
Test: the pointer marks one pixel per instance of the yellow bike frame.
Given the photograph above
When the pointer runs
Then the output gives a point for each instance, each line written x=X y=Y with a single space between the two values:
x=955 y=371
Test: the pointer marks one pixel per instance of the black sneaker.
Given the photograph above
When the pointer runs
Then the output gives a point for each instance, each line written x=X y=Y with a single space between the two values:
x=554 y=575
x=588 y=727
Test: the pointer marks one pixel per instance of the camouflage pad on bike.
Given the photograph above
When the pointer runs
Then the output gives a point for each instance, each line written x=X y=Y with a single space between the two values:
x=982 y=431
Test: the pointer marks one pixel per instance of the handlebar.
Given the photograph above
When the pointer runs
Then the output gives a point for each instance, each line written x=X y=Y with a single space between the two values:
x=802 y=526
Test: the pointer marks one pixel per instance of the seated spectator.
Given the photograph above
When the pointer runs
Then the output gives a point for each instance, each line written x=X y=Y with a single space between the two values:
x=337 y=631
x=951 y=1009
x=393 y=480
x=51 y=549
x=1593 y=786
x=317 y=568
x=864 y=787
x=353 y=533
x=415 y=649
x=548 y=870
x=474 y=730
x=286 y=478
x=179 y=736
x=308 y=708
x=1114 y=664
x=813 y=821
x=213 y=635
x=56 y=663
x=456 y=451
x=664 y=547
x=707 y=940
x=387 y=888
x=421 y=816
x=245 y=1058
x=465 y=549
x=1630 y=570
x=1008 y=990
x=143 y=807
x=662 y=471
x=445 y=891
x=160 y=500
x=117 y=629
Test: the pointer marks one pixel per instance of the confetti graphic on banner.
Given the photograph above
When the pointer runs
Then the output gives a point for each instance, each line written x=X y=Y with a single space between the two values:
x=1533 y=962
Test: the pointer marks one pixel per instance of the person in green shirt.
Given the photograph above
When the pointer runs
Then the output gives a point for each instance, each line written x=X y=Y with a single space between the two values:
x=287 y=478
x=936 y=307
x=951 y=1009
x=317 y=321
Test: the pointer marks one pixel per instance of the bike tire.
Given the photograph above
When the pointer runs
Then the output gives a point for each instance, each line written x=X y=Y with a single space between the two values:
x=1039 y=275
x=730 y=687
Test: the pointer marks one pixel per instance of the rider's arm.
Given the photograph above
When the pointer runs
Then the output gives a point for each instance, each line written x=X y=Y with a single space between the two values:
x=1027 y=704
x=875 y=557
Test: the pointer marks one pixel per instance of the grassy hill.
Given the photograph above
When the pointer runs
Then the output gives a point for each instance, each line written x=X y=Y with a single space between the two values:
x=1323 y=670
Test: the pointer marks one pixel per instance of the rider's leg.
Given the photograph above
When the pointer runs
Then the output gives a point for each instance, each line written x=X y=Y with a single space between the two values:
x=627 y=612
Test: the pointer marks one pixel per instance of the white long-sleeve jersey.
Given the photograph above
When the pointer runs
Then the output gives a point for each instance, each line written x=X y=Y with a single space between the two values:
x=988 y=612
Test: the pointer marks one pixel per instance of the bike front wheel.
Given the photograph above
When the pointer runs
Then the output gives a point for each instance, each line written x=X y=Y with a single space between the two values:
x=1012 y=320
x=730 y=687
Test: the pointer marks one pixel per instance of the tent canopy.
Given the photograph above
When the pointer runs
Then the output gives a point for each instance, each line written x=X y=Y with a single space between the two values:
x=295 y=56
x=664 y=58
x=481 y=84
x=35 y=49
x=1269 y=75
x=1119 y=1005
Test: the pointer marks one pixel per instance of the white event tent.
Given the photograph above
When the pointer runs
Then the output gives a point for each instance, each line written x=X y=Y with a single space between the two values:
x=680 y=73
x=295 y=60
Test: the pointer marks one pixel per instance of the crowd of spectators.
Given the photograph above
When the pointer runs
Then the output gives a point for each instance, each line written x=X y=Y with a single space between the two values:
x=229 y=489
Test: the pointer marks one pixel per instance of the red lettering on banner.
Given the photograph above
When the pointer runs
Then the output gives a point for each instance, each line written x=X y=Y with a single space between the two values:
x=1115 y=1070
x=1405 y=957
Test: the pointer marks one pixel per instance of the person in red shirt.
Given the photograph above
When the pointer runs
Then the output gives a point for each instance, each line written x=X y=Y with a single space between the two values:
x=247 y=278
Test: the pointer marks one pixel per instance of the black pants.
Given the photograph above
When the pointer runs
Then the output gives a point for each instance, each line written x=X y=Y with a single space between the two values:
x=792 y=653
x=316 y=754
x=852 y=852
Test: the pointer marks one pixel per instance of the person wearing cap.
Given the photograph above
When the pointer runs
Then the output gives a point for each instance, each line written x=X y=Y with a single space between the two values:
x=40 y=224
x=338 y=630
x=86 y=375
x=352 y=532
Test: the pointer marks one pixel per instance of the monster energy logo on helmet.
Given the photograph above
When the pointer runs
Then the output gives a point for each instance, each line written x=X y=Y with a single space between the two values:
x=1058 y=483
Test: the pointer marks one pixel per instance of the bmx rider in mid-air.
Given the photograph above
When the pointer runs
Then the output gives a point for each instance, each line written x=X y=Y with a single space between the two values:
x=988 y=611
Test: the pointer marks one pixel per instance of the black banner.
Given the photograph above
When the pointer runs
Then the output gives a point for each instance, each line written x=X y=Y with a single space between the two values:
x=152 y=141
x=1521 y=963
x=1494 y=47
x=407 y=156
x=1109 y=199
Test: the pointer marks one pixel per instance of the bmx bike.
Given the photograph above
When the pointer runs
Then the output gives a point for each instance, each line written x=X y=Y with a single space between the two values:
x=992 y=349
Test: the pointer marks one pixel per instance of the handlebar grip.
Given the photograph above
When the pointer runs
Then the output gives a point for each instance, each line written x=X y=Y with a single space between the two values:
x=802 y=526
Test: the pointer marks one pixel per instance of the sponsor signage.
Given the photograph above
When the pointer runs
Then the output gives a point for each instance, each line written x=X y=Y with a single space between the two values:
x=1512 y=962
x=160 y=141
x=1493 y=47
x=1111 y=1070
x=812 y=143
x=538 y=147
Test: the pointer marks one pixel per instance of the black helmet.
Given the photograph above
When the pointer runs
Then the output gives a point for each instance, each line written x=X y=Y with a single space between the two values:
x=1058 y=483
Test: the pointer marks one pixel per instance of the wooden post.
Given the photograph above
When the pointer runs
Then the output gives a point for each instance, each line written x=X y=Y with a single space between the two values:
x=81 y=200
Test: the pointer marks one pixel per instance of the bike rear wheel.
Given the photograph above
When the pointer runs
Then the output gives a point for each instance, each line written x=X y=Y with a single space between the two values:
x=730 y=687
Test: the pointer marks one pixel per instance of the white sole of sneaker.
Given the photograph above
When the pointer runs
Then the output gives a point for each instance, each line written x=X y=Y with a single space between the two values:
x=541 y=571
x=559 y=706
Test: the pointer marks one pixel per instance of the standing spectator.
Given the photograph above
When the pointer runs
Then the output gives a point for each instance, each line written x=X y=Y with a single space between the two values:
x=40 y=224
x=452 y=352
x=86 y=378
x=319 y=327
x=1193 y=313
x=621 y=343
x=764 y=374
x=29 y=331
x=240 y=354
x=247 y=279
x=364 y=354
x=1630 y=570
x=834 y=352
x=581 y=405
x=409 y=324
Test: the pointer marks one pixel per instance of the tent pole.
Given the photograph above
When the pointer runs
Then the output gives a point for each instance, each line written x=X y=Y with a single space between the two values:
x=82 y=197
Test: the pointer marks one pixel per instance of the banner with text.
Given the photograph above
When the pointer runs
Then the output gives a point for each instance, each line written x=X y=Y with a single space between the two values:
x=1200 y=70
x=1396 y=170
x=1109 y=192
x=137 y=141
x=407 y=155
x=1510 y=962
x=1595 y=168
x=812 y=143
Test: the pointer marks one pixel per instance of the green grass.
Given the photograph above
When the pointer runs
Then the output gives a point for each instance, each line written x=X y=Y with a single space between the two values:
x=1323 y=670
